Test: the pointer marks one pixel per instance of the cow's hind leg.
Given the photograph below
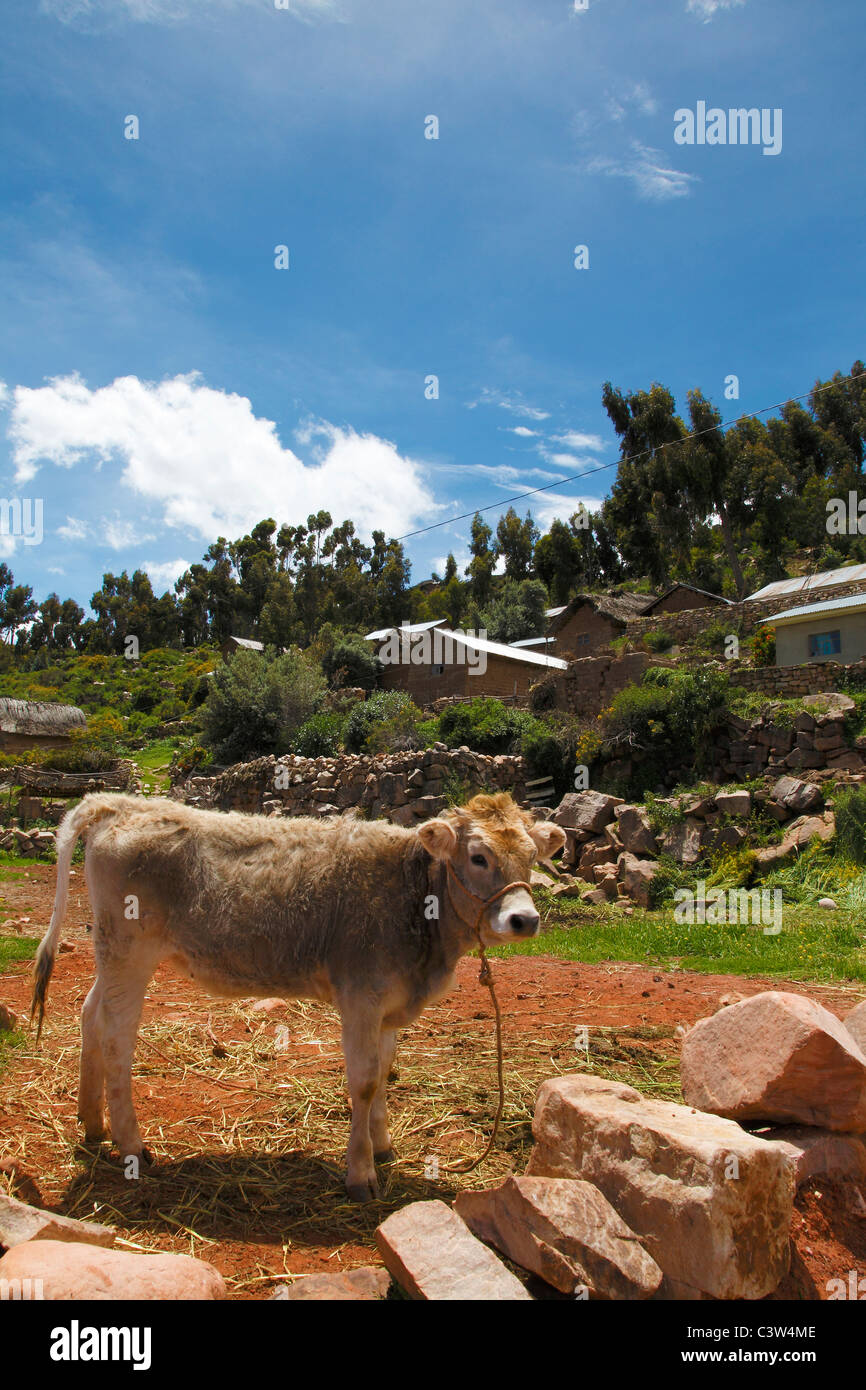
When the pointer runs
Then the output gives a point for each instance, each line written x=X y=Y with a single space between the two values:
x=91 y=1084
x=124 y=986
x=379 y=1133
x=361 y=1029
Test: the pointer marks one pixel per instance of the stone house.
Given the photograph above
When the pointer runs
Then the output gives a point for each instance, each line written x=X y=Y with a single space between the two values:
x=429 y=662
x=28 y=724
x=680 y=597
x=590 y=622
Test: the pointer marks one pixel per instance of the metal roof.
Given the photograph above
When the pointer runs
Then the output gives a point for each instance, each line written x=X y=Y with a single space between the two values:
x=481 y=644
x=806 y=582
x=534 y=642
x=248 y=643
x=384 y=632
x=830 y=605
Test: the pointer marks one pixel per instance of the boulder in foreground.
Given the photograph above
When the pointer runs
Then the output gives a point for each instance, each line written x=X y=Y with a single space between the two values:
x=776 y=1057
x=711 y=1203
x=564 y=1230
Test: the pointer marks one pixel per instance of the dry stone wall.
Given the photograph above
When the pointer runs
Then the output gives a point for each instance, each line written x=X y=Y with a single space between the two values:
x=405 y=787
x=742 y=617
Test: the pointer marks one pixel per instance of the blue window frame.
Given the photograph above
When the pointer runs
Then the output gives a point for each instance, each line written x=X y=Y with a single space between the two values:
x=825 y=644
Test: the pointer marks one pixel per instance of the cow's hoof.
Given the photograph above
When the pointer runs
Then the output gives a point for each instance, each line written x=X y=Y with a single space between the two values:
x=95 y=1136
x=146 y=1158
x=384 y=1156
x=363 y=1191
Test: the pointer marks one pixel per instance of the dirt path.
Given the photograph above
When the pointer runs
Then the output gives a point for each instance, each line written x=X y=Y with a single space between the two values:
x=247 y=1115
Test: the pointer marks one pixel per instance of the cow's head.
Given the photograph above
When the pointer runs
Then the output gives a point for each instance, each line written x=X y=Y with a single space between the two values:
x=489 y=843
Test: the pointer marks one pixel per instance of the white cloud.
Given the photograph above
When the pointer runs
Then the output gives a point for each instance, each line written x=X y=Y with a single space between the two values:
x=707 y=8
x=74 y=530
x=651 y=178
x=522 y=431
x=123 y=535
x=164 y=573
x=506 y=476
x=170 y=11
x=4 y=394
x=512 y=401
x=573 y=439
x=549 y=507
x=210 y=464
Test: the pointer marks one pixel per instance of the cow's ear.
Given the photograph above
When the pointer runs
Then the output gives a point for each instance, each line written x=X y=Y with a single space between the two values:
x=548 y=838
x=438 y=837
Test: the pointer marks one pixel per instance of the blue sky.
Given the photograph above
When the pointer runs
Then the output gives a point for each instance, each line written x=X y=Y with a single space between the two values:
x=165 y=383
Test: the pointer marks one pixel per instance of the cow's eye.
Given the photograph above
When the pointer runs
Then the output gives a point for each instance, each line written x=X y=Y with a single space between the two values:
x=479 y=860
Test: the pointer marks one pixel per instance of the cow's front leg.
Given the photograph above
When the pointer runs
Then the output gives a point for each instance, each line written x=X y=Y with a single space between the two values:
x=91 y=1086
x=381 y=1138
x=361 y=1031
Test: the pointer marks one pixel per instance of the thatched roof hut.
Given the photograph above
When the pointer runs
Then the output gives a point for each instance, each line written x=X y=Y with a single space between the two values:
x=38 y=724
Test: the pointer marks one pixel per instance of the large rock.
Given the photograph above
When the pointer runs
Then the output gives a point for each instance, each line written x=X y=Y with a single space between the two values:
x=20 y=1222
x=776 y=1057
x=797 y=796
x=586 y=810
x=734 y=803
x=349 y=1286
x=634 y=830
x=71 y=1272
x=683 y=841
x=817 y=1153
x=711 y=1202
x=855 y=1024
x=433 y=1255
x=798 y=835
x=565 y=1231
x=636 y=876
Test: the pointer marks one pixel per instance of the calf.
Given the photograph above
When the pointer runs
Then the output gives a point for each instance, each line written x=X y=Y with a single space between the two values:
x=365 y=915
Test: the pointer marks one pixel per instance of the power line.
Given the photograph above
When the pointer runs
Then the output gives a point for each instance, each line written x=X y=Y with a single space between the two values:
x=632 y=458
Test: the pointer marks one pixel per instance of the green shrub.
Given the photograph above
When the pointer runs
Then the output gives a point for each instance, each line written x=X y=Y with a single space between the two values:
x=257 y=701
x=487 y=725
x=366 y=716
x=319 y=736
x=657 y=640
x=351 y=661
x=850 y=812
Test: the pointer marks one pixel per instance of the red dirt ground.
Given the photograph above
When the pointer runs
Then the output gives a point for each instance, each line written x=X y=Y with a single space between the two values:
x=261 y=1211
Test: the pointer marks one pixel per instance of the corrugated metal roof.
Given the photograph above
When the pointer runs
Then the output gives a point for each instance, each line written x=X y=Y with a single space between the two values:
x=534 y=642
x=248 y=643
x=830 y=605
x=480 y=644
x=384 y=632
x=806 y=582
x=555 y=612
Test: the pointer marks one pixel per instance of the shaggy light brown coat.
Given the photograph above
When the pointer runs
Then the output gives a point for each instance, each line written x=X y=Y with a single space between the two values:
x=362 y=914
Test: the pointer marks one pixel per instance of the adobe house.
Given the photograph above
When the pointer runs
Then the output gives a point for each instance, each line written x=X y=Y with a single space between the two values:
x=590 y=622
x=240 y=644
x=429 y=661
x=679 y=597
x=28 y=724
x=834 y=630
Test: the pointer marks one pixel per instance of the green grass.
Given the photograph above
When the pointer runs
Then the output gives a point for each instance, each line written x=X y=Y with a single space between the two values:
x=814 y=944
x=17 y=948
x=7 y=1042
x=154 y=760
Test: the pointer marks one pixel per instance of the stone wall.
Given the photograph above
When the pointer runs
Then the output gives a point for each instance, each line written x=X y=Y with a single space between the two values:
x=404 y=787
x=739 y=617
x=813 y=678
x=589 y=684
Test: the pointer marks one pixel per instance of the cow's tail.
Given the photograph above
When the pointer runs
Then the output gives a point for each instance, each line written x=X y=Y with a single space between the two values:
x=76 y=822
